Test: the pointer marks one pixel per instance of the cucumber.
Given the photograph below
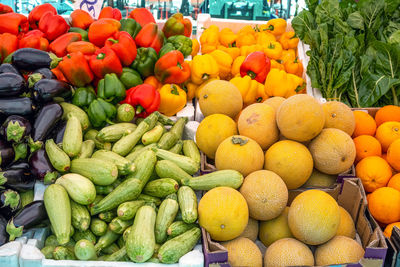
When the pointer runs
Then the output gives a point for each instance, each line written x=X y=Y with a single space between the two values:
x=191 y=150
x=51 y=240
x=177 y=148
x=118 y=226
x=229 y=178
x=98 y=227
x=107 y=216
x=58 y=158
x=149 y=199
x=48 y=251
x=84 y=250
x=136 y=153
x=80 y=218
x=161 y=187
x=91 y=135
x=63 y=253
x=118 y=255
x=72 y=140
x=79 y=188
x=115 y=132
x=145 y=164
x=168 y=169
x=26 y=197
x=70 y=109
x=165 y=120
x=88 y=235
x=172 y=250
x=153 y=135
x=58 y=210
x=188 y=204
x=100 y=172
x=125 y=113
x=185 y=163
x=179 y=227
x=107 y=239
x=104 y=189
x=141 y=240
x=169 y=139
x=110 y=249
x=127 y=210
x=165 y=216
x=172 y=196
x=86 y=149
x=124 y=166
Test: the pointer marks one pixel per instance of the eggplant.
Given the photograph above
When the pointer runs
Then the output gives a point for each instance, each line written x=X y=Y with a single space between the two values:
x=30 y=59
x=22 y=106
x=12 y=84
x=30 y=215
x=15 y=128
x=8 y=68
x=46 y=73
x=3 y=232
x=10 y=202
x=41 y=167
x=17 y=179
x=47 y=90
x=19 y=165
x=46 y=120
x=58 y=132
x=7 y=153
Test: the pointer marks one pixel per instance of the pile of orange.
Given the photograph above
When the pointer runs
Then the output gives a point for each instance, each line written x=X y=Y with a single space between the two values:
x=377 y=142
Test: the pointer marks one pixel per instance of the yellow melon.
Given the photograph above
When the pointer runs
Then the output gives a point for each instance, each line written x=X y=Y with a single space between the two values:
x=346 y=226
x=243 y=252
x=223 y=212
x=333 y=151
x=222 y=97
x=239 y=153
x=339 y=250
x=275 y=102
x=300 y=118
x=320 y=179
x=288 y=252
x=275 y=229
x=251 y=230
x=257 y=121
x=314 y=217
x=338 y=115
x=291 y=161
x=212 y=131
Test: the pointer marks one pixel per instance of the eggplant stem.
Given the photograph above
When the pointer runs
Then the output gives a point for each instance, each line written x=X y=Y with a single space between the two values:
x=3 y=179
x=13 y=231
x=15 y=131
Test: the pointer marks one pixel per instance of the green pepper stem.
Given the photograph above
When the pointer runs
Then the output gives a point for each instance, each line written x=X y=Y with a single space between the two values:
x=271 y=27
x=113 y=41
x=139 y=109
x=101 y=56
x=271 y=46
x=174 y=90
x=251 y=74
x=205 y=77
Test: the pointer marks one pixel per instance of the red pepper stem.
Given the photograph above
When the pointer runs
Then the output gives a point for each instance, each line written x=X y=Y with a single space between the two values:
x=139 y=109
x=251 y=74
x=101 y=56
x=174 y=90
x=113 y=41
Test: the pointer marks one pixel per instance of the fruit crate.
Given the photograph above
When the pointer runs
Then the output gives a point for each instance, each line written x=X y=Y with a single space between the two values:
x=351 y=196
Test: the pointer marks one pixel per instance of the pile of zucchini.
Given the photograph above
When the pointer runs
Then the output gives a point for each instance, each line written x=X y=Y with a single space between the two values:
x=127 y=191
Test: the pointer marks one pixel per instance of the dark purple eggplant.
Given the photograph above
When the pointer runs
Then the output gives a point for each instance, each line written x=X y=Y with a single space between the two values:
x=8 y=68
x=19 y=165
x=10 y=202
x=41 y=167
x=46 y=73
x=47 y=90
x=3 y=232
x=17 y=179
x=12 y=84
x=30 y=215
x=7 y=154
x=15 y=128
x=31 y=59
x=22 y=106
x=58 y=132
x=46 y=120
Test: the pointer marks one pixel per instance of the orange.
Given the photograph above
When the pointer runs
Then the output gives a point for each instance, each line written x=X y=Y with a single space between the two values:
x=387 y=132
x=389 y=228
x=394 y=182
x=374 y=172
x=387 y=113
x=384 y=205
x=393 y=155
x=365 y=124
x=384 y=156
x=366 y=146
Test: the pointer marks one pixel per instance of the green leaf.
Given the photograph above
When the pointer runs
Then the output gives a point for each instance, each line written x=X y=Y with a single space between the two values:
x=373 y=87
x=311 y=5
x=303 y=24
x=394 y=38
x=372 y=12
x=356 y=21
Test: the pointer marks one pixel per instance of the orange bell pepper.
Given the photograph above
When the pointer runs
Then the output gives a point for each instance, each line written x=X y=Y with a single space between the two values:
x=142 y=16
x=227 y=38
x=59 y=45
x=8 y=44
x=86 y=48
x=294 y=67
x=289 y=40
x=234 y=52
x=177 y=25
x=273 y=50
x=111 y=13
x=152 y=80
x=34 y=39
x=59 y=75
x=209 y=39
x=275 y=64
x=195 y=47
x=76 y=70
x=172 y=68
x=13 y=23
x=288 y=55
x=235 y=70
x=81 y=19
x=276 y=26
x=102 y=29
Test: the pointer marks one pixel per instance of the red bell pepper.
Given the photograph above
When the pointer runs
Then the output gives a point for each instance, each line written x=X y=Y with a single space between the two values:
x=5 y=9
x=81 y=19
x=37 y=12
x=150 y=36
x=172 y=68
x=76 y=70
x=110 y=13
x=124 y=46
x=144 y=98
x=142 y=16
x=52 y=25
x=59 y=45
x=105 y=61
x=177 y=25
x=102 y=29
x=13 y=23
x=86 y=48
x=8 y=44
x=34 y=39
x=257 y=65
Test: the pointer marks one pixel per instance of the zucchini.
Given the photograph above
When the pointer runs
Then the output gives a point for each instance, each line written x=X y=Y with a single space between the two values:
x=106 y=240
x=177 y=148
x=104 y=189
x=191 y=150
x=137 y=147
x=168 y=169
x=72 y=140
x=107 y=216
x=165 y=120
x=161 y=187
x=172 y=250
x=119 y=226
x=126 y=233
x=80 y=217
x=58 y=210
x=145 y=164
x=132 y=156
x=149 y=199
x=26 y=197
x=121 y=242
x=98 y=227
x=88 y=235
x=100 y=172
x=185 y=163
x=127 y=210
x=51 y=240
x=153 y=135
x=169 y=139
x=84 y=250
x=110 y=249
x=96 y=200
x=47 y=251
x=141 y=240
x=124 y=166
x=86 y=149
x=188 y=203
x=125 y=113
x=173 y=196
x=63 y=253
x=58 y=158
x=115 y=132
x=229 y=178
x=117 y=255
x=165 y=216
x=179 y=227
x=91 y=135
x=77 y=112
x=79 y=188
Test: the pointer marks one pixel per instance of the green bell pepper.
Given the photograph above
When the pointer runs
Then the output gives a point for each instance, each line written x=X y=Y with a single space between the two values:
x=83 y=96
x=168 y=47
x=82 y=32
x=130 y=78
x=101 y=112
x=130 y=26
x=181 y=43
x=111 y=89
x=145 y=60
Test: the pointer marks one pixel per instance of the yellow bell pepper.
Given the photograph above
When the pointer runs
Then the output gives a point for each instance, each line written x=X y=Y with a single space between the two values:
x=227 y=38
x=251 y=90
x=248 y=49
x=195 y=47
x=264 y=38
x=276 y=26
x=236 y=65
x=288 y=55
x=234 y=52
x=190 y=89
x=224 y=61
x=273 y=50
x=203 y=67
x=299 y=86
x=279 y=83
x=198 y=89
x=246 y=30
x=209 y=39
x=277 y=65
x=289 y=40
x=294 y=67
x=246 y=36
x=172 y=99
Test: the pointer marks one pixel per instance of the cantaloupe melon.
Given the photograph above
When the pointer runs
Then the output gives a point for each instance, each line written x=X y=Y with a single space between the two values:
x=333 y=151
x=339 y=250
x=251 y=230
x=314 y=217
x=288 y=252
x=346 y=226
x=275 y=229
x=338 y=115
x=320 y=179
x=275 y=102
x=243 y=252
